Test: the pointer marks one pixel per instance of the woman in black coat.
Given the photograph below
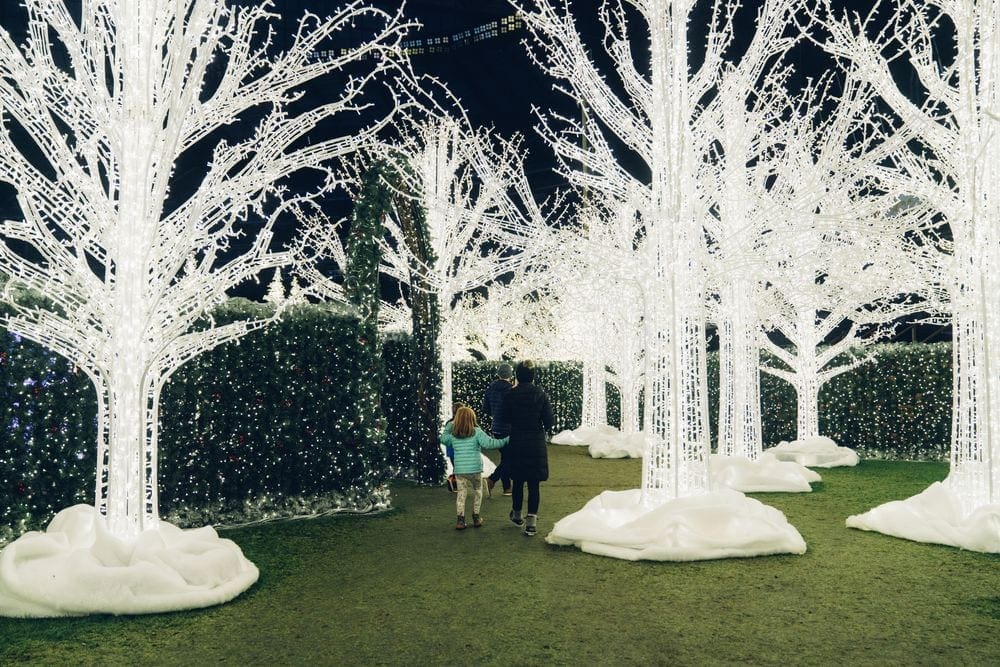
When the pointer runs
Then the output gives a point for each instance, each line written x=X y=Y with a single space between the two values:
x=526 y=408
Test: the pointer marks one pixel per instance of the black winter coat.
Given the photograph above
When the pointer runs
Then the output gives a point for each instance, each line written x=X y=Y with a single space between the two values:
x=526 y=408
x=493 y=404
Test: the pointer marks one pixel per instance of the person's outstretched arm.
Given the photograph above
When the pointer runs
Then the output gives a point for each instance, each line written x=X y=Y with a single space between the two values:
x=486 y=442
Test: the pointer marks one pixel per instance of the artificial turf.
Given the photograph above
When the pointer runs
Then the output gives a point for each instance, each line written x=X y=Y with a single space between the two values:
x=404 y=587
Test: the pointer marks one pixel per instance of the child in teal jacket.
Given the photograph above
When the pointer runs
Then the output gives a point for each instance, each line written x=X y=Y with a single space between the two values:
x=467 y=440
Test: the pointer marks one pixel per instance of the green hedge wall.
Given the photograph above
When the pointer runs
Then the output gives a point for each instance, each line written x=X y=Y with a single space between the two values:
x=562 y=382
x=273 y=424
x=897 y=407
x=47 y=451
x=909 y=387
x=399 y=407
x=267 y=426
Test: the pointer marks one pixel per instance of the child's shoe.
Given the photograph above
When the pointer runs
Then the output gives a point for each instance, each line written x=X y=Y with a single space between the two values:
x=460 y=523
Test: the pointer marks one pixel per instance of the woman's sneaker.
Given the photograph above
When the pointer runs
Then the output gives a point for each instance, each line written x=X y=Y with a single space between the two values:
x=516 y=518
x=530 y=525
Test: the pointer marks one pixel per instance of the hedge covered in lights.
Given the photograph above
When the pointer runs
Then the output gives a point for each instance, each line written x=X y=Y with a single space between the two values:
x=399 y=408
x=271 y=425
x=897 y=407
x=47 y=448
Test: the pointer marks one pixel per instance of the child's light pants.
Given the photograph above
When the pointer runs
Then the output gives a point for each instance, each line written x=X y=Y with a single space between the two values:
x=467 y=482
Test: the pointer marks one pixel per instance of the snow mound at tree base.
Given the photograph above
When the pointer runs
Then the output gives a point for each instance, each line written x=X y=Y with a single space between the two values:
x=720 y=524
x=815 y=452
x=77 y=567
x=766 y=474
x=604 y=442
x=583 y=436
x=935 y=516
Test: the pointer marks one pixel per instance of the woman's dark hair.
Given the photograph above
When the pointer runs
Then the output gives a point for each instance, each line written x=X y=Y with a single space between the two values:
x=525 y=372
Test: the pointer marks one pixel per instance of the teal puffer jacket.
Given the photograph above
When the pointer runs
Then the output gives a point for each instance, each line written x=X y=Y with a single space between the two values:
x=467 y=459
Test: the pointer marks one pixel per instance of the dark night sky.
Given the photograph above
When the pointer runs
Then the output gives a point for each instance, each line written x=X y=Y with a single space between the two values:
x=494 y=79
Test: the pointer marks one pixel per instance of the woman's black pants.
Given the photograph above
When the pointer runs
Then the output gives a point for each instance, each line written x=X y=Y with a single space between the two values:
x=517 y=497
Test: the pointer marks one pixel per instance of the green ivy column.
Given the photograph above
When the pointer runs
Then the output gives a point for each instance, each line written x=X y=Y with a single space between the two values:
x=362 y=287
x=426 y=366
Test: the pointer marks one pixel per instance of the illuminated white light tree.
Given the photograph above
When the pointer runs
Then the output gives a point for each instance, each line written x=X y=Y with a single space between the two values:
x=501 y=321
x=740 y=122
x=583 y=270
x=749 y=99
x=97 y=109
x=735 y=229
x=652 y=120
x=478 y=203
x=612 y=249
x=953 y=164
x=601 y=257
x=276 y=289
x=836 y=274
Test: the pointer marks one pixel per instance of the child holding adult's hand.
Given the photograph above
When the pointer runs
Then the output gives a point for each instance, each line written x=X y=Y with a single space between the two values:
x=467 y=440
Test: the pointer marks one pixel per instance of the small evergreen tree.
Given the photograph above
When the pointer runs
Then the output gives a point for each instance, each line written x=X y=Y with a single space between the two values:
x=276 y=289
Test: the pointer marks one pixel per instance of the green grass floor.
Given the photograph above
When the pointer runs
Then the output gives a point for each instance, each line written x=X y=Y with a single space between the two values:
x=405 y=588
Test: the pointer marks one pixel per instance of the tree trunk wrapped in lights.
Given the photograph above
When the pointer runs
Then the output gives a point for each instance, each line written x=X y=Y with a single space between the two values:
x=951 y=162
x=750 y=98
x=653 y=121
x=113 y=97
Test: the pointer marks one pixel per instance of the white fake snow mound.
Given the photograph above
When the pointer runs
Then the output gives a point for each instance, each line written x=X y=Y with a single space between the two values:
x=77 y=567
x=720 y=524
x=583 y=436
x=816 y=452
x=603 y=441
x=766 y=474
x=934 y=516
